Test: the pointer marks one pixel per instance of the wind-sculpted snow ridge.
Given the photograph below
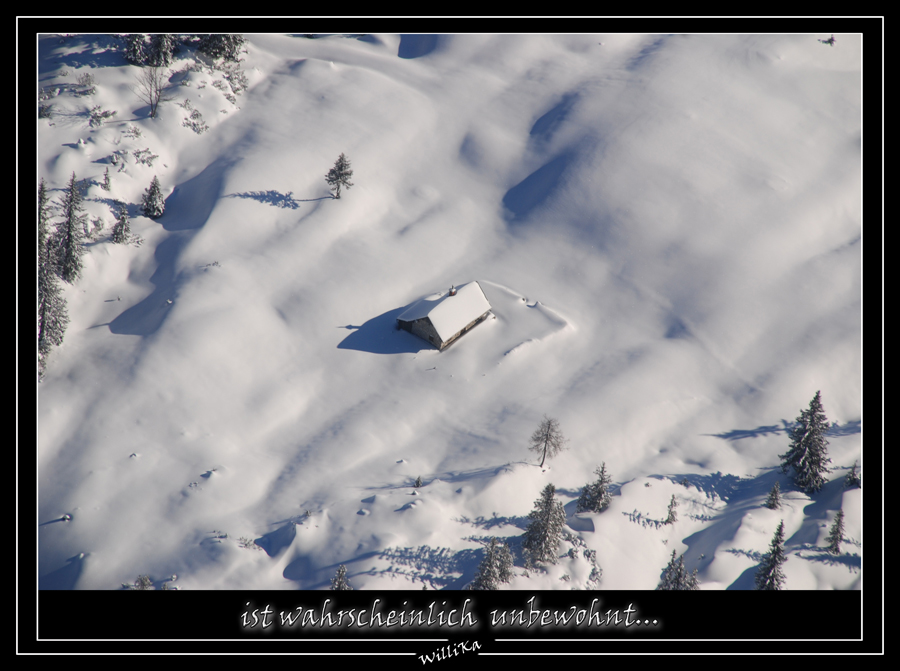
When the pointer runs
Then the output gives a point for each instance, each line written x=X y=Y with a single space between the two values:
x=521 y=321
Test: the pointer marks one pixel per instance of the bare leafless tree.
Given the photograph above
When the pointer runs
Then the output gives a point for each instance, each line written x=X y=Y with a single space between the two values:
x=151 y=83
x=547 y=439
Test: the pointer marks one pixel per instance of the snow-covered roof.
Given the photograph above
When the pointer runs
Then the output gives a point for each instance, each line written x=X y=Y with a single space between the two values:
x=450 y=314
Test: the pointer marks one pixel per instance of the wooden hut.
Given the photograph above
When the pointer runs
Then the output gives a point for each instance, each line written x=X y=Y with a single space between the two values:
x=444 y=318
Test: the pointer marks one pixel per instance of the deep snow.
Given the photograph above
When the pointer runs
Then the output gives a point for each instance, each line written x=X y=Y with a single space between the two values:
x=668 y=229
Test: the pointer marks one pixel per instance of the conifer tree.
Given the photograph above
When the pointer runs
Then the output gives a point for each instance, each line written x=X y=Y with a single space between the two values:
x=774 y=500
x=675 y=576
x=670 y=575
x=673 y=516
x=70 y=233
x=222 y=46
x=153 y=204
x=162 y=50
x=769 y=575
x=136 y=51
x=106 y=184
x=544 y=532
x=853 y=477
x=547 y=439
x=807 y=455
x=488 y=574
x=143 y=582
x=52 y=314
x=505 y=562
x=595 y=497
x=339 y=582
x=339 y=175
x=693 y=582
x=121 y=232
x=836 y=535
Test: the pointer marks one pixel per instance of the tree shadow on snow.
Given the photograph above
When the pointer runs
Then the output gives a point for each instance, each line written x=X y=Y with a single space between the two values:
x=836 y=429
x=80 y=51
x=274 y=198
x=434 y=565
x=488 y=523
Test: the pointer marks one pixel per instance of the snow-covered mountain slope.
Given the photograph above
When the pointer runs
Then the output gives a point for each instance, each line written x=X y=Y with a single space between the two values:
x=668 y=231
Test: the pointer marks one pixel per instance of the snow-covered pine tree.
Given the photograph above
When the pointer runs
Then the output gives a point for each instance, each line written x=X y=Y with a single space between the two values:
x=693 y=582
x=153 y=204
x=143 y=582
x=807 y=455
x=70 y=233
x=836 y=535
x=853 y=477
x=595 y=497
x=774 y=500
x=222 y=46
x=505 y=563
x=488 y=575
x=162 y=50
x=769 y=575
x=339 y=581
x=121 y=233
x=547 y=439
x=673 y=516
x=136 y=51
x=495 y=568
x=673 y=575
x=586 y=500
x=52 y=314
x=339 y=175
x=668 y=575
x=418 y=482
x=106 y=183
x=544 y=532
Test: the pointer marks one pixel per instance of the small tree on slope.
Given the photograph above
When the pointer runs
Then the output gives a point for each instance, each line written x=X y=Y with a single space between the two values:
x=774 y=500
x=71 y=233
x=339 y=175
x=339 y=581
x=769 y=575
x=595 y=497
x=153 y=204
x=544 y=532
x=121 y=232
x=495 y=568
x=136 y=49
x=52 y=314
x=162 y=50
x=836 y=535
x=853 y=477
x=675 y=576
x=673 y=516
x=226 y=46
x=808 y=456
x=547 y=439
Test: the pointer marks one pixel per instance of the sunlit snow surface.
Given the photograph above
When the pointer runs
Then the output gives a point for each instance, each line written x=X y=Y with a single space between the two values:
x=667 y=230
